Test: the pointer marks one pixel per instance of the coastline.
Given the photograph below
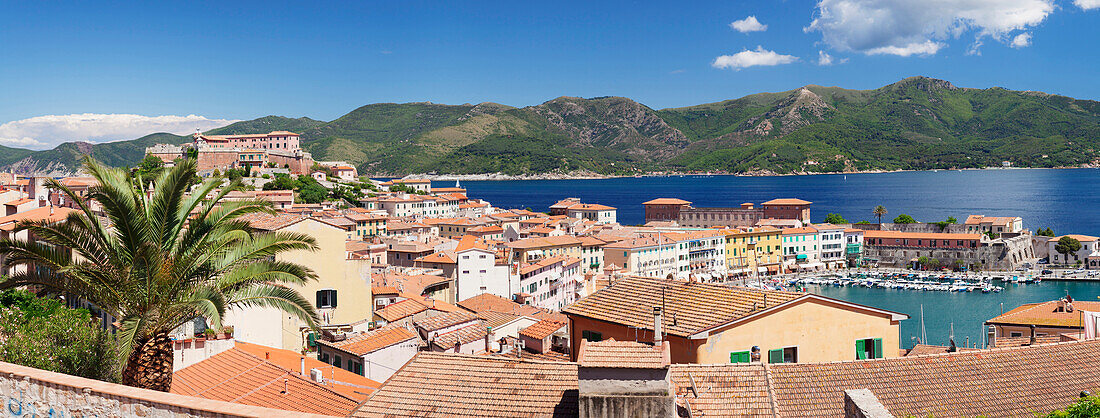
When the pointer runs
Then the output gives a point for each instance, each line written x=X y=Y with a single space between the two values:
x=762 y=173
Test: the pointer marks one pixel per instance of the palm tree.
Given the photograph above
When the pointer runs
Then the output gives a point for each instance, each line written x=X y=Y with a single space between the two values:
x=159 y=258
x=879 y=211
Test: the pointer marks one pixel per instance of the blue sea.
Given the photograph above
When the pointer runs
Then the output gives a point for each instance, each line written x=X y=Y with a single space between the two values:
x=1065 y=200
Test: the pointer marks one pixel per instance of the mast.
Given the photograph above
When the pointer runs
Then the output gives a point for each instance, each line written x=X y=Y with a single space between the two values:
x=923 y=334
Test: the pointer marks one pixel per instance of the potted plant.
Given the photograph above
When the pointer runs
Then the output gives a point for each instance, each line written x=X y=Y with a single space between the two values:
x=227 y=332
x=209 y=334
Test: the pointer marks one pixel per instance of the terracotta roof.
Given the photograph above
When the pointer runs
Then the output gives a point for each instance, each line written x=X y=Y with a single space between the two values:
x=1048 y=314
x=442 y=257
x=623 y=354
x=547 y=262
x=726 y=391
x=1005 y=342
x=1082 y=238
x=346 y=383
x=470 y=242
x=444 y=320
x=542 y=329
x=667 y=201
x=42 y=214
x=496 y=319
x=924 y=349
x=493 y=303
x=787 y=201
x=371 y=341
x=269 y=222
x=697 y=306
x=1000 y=382
x=19 y=202
x=802 y=230
x=237 y=376
x=383 y=290
x=466 y=334
x=487 y=229
x=456 y=385
x=402 y=309
x=590 y=206
x=544 y=242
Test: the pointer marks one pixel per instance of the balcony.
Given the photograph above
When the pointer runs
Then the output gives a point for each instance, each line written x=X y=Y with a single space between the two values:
x=853 y=249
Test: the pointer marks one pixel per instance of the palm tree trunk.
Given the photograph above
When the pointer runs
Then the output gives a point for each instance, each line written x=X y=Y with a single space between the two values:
x=150 y=364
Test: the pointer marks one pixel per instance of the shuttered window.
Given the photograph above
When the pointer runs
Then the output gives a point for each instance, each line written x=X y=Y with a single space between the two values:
x=869 y=348
x=740 y=357
x=775 y=356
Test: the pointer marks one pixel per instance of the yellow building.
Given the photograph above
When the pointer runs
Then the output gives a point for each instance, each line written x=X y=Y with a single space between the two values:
x=341 y=292
x=368 y=225
x=754 y=250
x=709 y=324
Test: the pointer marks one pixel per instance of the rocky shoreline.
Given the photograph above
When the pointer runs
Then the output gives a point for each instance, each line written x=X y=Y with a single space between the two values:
x=758 y=173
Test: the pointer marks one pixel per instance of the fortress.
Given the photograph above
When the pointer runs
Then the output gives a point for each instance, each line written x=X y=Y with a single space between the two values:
x=275 y=149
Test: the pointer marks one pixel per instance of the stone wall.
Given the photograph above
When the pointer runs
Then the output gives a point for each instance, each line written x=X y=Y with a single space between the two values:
x=999 y=254
x=30 y=392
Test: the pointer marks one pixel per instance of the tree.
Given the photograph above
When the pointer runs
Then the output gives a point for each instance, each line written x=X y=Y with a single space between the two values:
x=310 y=191
x=159 y=258
x=53 y=337
x=835 y=219
x=1045 y=232
x=150 y=166
x=1085 y=407
x=879 y=211
x=281 y=182
x=952 y=220
x=904 y=219
x=923 y=261
x=1067 y=245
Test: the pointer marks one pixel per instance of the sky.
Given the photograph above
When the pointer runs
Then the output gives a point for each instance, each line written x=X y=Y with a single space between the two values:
x=97 y=71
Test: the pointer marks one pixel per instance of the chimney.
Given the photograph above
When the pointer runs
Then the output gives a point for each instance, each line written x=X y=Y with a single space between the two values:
x=658 y=330
x=1033 y=334
x=303 y=359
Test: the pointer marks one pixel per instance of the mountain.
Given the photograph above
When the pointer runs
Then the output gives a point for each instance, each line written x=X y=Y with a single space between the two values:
x=916 y=123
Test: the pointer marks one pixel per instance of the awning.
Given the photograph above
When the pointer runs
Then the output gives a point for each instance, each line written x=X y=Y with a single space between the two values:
x=811 y=265
x=762 y=269
x=773 y=268
x=800 y=257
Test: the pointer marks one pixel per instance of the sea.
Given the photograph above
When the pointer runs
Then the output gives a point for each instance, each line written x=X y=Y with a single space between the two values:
x=1066 y=200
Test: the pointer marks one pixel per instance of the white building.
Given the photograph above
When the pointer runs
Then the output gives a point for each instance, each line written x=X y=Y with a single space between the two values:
x=477 y=271
x=831 y=239
x=1089 y=246
x=594 y=212
x=549 y=283
x=375 y=354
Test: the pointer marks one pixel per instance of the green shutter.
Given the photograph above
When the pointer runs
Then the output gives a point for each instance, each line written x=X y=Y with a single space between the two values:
x=775 y=356
x=740 y=357
x=878 y=348
x=861 y=349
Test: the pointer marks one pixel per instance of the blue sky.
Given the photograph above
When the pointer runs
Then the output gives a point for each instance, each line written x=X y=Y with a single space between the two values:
x=222 y=63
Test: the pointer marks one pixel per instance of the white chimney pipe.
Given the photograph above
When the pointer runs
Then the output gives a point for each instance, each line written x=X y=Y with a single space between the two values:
x=658 y=330
x=303 y=366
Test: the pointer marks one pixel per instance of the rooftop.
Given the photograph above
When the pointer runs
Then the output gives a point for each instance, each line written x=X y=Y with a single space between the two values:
x=1048 y=314
x=444 y=320
x=371 y=341
x=237 y=376
x=667 y=201
x=787 y=201
x=542 y=329
x=42 y=214
x=623 y=354
x=457 y=385
x=696 y=306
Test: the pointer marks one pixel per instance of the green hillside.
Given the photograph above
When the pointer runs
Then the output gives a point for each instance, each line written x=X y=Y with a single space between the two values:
x=916 y=123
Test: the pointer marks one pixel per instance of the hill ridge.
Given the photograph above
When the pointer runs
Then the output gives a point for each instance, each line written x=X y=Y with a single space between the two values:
x=917 y=122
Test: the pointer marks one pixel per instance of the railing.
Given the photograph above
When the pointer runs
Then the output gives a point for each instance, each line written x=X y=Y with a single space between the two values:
x=26 y=391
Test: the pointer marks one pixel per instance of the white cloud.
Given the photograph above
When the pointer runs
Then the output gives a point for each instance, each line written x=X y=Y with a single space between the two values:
x=922 y=48
x=1087 y=4
x=750 y=24
x=1021 y=40
x=746 y=58
x=823 y=58
x=42 y=132
x=920 y=27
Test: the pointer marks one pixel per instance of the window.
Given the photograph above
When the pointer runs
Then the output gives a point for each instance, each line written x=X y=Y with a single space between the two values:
x=1015 y=334
x=326 y=298
x=592 y=336
x=740 y=357
x=869 y=348
x=783 y=355
x=324 y=357
x=337 y=362
x=358 y=369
